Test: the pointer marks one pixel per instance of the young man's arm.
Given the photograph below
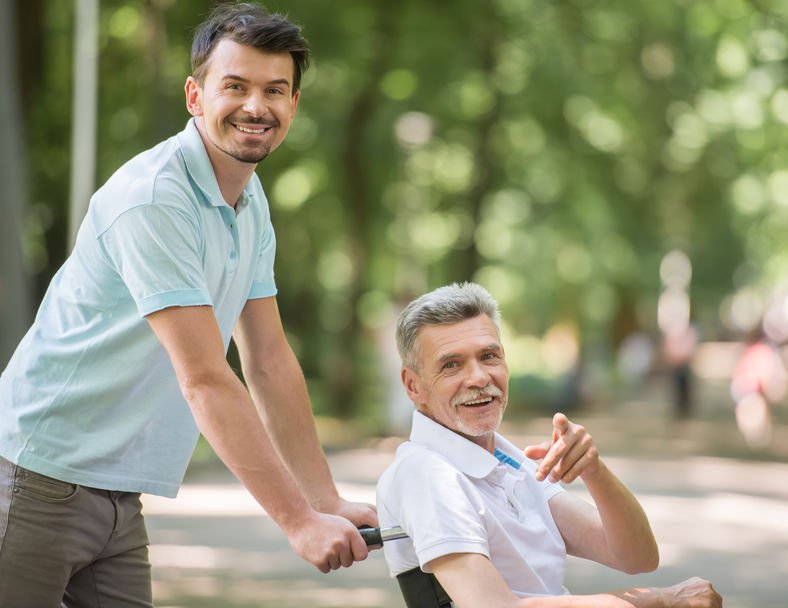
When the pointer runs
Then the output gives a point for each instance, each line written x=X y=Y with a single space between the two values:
x=615 y=530
x=471 y=580
x=226 y=416
x=277 y=385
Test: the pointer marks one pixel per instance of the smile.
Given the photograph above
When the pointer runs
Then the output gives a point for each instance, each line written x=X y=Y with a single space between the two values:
x=258 y=131
x=477 y=402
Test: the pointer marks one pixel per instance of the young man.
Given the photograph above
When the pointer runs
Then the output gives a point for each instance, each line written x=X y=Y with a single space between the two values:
x=125 y=364
x=492 y=525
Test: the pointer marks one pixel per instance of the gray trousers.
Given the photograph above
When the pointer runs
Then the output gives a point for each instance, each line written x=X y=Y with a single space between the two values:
x=68 y=546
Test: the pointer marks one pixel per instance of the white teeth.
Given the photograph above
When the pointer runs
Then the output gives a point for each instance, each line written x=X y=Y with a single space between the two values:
x=250 y=131
x=485 y=400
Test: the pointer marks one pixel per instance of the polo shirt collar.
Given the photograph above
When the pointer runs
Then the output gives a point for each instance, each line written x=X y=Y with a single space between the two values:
x=469 y=458
x=199 y=167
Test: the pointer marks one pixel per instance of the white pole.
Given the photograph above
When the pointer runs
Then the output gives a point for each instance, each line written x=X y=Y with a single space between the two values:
x=85 y=99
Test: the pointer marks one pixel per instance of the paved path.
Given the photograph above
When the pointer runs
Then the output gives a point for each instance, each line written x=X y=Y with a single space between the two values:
x=718 y=511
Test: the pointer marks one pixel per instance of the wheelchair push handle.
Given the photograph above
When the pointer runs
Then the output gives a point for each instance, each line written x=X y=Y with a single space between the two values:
x=378 y=536
x=419 y=589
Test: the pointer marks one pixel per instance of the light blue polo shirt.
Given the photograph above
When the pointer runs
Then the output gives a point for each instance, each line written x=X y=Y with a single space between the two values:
x=90 y=396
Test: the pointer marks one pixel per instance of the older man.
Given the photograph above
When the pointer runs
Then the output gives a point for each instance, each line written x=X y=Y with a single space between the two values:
x=492 y=525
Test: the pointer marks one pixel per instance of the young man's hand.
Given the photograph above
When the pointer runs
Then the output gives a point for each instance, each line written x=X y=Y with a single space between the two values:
x=359 y=513
x=328 y=542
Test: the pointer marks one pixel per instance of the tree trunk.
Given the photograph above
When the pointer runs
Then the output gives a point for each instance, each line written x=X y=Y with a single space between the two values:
x=467 y=260
x=345 y=380
x=15 y=313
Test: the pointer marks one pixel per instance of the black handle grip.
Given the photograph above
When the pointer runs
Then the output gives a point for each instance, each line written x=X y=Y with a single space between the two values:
x=371 y=536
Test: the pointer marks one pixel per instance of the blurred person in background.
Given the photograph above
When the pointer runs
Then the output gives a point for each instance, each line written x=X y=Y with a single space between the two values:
x=491 y=524
x=759 y=380
x=678 y=347
x=125 y=363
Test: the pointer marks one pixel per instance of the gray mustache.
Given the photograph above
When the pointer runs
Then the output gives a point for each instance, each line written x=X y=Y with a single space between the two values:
x=490 y=391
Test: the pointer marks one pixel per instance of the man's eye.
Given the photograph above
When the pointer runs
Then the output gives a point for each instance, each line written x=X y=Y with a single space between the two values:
x=449 y=365
x=488 y=356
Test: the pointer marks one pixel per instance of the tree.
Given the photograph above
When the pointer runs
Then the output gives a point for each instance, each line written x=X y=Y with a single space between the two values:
x=554 y=152
x=14 y=287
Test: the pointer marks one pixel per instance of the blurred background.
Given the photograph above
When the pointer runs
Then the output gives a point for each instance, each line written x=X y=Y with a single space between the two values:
x=614 y=172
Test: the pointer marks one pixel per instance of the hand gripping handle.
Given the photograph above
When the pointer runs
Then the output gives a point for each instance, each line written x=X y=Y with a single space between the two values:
x=377 y=536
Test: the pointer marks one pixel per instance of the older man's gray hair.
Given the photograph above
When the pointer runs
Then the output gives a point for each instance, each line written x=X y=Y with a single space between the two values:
x=444 y=305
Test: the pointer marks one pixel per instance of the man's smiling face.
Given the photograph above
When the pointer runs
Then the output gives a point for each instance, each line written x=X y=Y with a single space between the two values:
x=246 y=104
x=462 y=380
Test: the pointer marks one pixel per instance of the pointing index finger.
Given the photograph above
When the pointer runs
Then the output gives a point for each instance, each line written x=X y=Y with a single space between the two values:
x=553 y=452
x=560 y=425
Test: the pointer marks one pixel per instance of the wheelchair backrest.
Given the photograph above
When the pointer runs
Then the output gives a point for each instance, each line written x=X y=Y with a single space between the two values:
x=422 y=590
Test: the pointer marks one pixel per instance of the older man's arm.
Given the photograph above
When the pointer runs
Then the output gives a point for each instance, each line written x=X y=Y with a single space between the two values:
x=614 y=530
x=471 y=581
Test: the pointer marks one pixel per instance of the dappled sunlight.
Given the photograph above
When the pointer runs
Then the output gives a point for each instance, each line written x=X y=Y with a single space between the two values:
x=715 y=518
x=229 y=499
x=198 y=591
x=204 y=499
x=671 y=554
x=198 y=557
x=718 y=522
x=214 y=543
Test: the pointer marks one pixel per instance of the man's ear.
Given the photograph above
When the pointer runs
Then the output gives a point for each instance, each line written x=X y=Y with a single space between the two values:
x=294 y=105
x=193 y=96
x=412 y=383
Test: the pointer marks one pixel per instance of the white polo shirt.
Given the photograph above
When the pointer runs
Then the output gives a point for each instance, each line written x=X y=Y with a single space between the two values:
x=452 y=496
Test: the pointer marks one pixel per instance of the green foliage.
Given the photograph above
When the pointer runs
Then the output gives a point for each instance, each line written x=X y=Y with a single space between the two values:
x=554 y=151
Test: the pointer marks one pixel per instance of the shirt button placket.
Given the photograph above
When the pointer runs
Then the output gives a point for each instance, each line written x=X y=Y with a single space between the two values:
x=509 y=483
x=232 y=228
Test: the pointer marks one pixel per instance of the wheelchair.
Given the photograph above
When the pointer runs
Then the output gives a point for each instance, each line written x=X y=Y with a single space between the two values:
x=419 y=589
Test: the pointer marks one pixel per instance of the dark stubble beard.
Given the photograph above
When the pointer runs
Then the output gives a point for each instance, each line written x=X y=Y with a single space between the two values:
x=248 y=158
x=253 y=156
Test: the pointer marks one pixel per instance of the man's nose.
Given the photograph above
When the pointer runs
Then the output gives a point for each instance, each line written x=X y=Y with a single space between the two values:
x=255 y=104
x=477 y=375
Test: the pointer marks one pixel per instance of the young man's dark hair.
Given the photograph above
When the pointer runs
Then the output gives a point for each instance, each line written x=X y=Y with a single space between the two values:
x=251 y=25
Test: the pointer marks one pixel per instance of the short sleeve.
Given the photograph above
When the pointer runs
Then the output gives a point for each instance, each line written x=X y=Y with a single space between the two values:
x=157 y=251
x=438 y=508
x=263 y=284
